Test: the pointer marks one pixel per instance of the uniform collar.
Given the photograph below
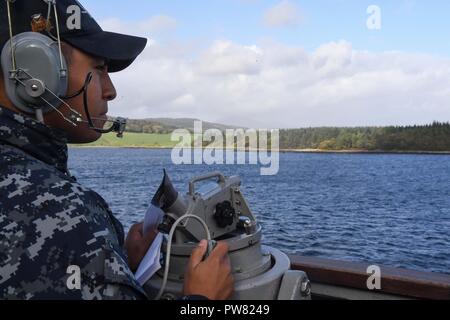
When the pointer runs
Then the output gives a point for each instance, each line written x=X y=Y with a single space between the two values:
x=36 y=139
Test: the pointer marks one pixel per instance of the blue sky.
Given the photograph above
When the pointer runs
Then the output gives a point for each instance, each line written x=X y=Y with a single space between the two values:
x=407 y=25
x=284 y=63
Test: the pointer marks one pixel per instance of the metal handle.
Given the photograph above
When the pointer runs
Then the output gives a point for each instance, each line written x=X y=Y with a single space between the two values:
x=205 y=177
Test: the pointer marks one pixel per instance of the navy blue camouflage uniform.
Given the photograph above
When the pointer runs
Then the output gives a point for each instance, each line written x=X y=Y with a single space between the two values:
x=49 y=222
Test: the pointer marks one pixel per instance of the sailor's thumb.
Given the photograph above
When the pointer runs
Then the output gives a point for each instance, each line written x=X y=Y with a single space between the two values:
x=198 y=254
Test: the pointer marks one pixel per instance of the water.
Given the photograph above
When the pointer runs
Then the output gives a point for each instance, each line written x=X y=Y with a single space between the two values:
x=384 y=209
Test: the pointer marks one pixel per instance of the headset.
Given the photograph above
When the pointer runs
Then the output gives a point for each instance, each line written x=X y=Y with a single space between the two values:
x=36 y=75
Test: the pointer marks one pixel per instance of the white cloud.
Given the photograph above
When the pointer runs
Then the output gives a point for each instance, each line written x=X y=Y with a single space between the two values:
x=283 y=14
x=225 y=58
x=274 y=85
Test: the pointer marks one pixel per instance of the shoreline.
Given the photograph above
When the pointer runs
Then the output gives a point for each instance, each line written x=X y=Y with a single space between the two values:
x=317 y=151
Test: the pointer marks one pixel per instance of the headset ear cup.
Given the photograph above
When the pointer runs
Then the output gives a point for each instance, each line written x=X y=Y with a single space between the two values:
x=40 y=80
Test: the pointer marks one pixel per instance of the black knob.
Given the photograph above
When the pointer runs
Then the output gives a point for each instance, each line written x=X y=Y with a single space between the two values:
x=224 y=214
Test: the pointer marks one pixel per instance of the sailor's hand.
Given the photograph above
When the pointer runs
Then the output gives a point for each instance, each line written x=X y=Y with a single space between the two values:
x=211 y=278
x=137 y=244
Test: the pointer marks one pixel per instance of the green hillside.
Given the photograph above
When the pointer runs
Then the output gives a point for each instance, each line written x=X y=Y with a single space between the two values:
x=141 y=140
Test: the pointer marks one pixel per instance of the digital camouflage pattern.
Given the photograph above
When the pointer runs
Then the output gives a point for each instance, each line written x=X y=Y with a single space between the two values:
x=49 y=222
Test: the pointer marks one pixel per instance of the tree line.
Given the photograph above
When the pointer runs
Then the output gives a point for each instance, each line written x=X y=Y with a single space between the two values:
x=434 y=137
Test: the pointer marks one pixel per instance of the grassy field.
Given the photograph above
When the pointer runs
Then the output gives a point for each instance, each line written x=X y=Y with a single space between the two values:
x=133 y=140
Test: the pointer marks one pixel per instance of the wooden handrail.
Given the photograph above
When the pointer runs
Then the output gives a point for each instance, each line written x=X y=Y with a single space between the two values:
x=399 y=282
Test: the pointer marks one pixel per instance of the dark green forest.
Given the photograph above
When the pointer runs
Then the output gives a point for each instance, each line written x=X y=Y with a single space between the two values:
x=434 y=137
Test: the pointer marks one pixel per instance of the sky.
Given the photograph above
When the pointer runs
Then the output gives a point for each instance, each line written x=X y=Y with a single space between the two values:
x=284 y=64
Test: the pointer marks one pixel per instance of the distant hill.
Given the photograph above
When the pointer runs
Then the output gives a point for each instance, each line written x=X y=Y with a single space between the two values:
x=186 y=123
x=168 y=125
x=148 y=126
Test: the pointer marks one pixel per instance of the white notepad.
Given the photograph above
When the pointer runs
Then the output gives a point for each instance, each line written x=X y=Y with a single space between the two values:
x=151 y=262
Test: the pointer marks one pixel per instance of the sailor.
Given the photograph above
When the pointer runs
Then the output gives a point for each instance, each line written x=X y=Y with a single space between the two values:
x=51 y=225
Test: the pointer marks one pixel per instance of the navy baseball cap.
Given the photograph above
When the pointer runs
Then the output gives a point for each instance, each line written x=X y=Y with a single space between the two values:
x=77 y=27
